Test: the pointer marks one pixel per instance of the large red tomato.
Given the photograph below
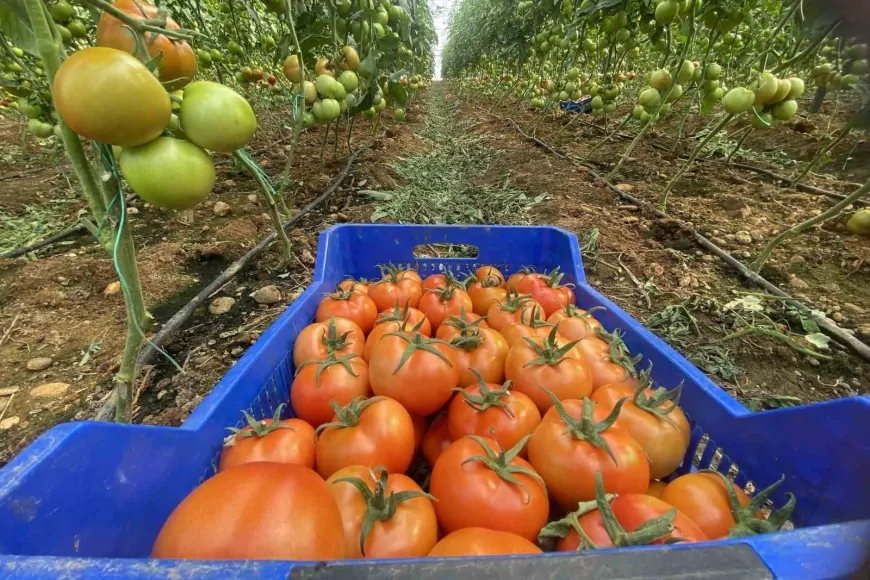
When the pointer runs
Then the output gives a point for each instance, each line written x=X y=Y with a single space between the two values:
x=490 y=410
x=393 y=321
x=654 y=419
x=408 y=529
x=548 y=291
x=178 y=61
x=436 y=440
x=257 y=511
x=514 y=281
x=439 y=305
x=703 y=497
x=479 y=349
x=479 y=485
x=397 y=288
x=290 y=441
x=542 y=363
x=319 y=384
x=360 y=286
x=482 y=542
x=575 y=441
x=338 y=336
x=609 y=360
x=484 y=272
x=513 y=309
x=441 y=281
x=634 y=520
x=463 y=323
x=575 y=323
x=416 y=371
x=374 y=432
x=352 y=305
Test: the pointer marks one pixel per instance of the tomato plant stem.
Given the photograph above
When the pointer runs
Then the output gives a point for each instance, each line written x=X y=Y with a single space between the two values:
x=268 y=197
x=746 y=134
x=810 y=50
x=663 y=201
x=606 y=139
x=297 y=107
x=821 y=153
x=834 y=211
x=143 y=25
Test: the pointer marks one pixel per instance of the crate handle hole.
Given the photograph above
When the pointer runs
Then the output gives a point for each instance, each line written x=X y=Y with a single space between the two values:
x=430 y=251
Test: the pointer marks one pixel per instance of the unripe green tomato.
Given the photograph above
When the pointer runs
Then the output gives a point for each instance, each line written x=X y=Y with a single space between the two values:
x=785 y=110
x=666 y=108
x=676 y=93
x=761 y=120
x=399 y=115
x=609 y=107
x=649 y=99
x=738 y=100
x=768 y=85
x=637 y=112
x=622 y=35
x=797 y=87
x=666 y=11
x=597 y=112
x=687 y=70
x=849 y=80
x=660 y=79
x=713 y=72
x=859 y=223
x=597 y=102
x=782 y=92
x=710 y=86
x=40 y=129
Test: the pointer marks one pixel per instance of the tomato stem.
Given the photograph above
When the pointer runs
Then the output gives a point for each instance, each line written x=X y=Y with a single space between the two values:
x=500 y=463
x=586 y=429
x=487 y=398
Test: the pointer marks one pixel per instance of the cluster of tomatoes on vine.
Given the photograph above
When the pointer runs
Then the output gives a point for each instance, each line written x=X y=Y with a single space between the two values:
x=517 y=413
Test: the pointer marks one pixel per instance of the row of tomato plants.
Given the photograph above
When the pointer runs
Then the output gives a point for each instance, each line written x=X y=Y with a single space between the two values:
x=441 y=417
x=130 y=83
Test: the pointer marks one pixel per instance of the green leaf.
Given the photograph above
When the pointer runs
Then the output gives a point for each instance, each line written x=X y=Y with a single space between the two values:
x=399 y=93
x=16 y=26
x=819 y=340
x=282 y=51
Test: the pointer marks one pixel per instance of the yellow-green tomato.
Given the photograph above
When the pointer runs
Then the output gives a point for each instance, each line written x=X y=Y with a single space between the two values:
x=310 y=92
x=666 y=11
x=649 y=99
x=797 y=87
x=785 y=110
x=399 y=115
x=859 y=223
x=660 y=79
x=169 y=173
x=738 y=100
x=761 y=120
x=40 y=129
x=216 y=117
x=349 y=80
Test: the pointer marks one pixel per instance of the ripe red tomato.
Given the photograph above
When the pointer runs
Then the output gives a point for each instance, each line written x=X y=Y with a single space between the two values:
x=455 y=326
x=477 y=484
x=438 y=305
x=655 y=421
x=351 y=285
x=421 y=425
x=257 y=511
x=487 y=290
x=656 y=488
x=418 y=372
x=290 y=441
x=539 y=363
x=122 y=79
x=441 y=281
x=320 y=383
x=351 y=305
x=703 y=497
x=177 y=65
x=490 y=410
x=436 y=440
x=338 y=336
x=631 y=511
x=575 y=323
x=482 y=542
x=609 y=360
x=397 y=288
x=513 y=309
x=570 y=447
x=408 y=532
x=548 y=291
x=374 y=432
x=398 y=319
x=408 y=274
x=483 y=350
x=484 y=272
x=514 y=281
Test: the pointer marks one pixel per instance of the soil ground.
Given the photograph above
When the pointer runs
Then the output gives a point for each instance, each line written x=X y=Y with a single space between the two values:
x=61 y=304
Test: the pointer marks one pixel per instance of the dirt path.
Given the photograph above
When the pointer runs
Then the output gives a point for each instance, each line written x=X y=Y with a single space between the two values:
x=63 y=305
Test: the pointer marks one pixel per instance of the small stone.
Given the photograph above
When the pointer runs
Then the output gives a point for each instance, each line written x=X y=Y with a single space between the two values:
x=745 y=255
x=742 y=237
x=39 y=363
x=112 y=289
x=814 y=362
x=229 y=183
x=732 y=203
x=832 y=287
x=853 y=308
x=864 y=330
x=162 y=394
x=49 y=390
x=653 y=270
x=710 y=258
x=237 y=352
x=221 y=209
x=624 y=187
x=267 y=295
x=796 y=260
x=307 y=258
x=9 y=423
x=718 y=241
x=838 y=317
x=756 y=236
x=132 y=210
x=6 y=391
x=796 y=282
x=252 y=198
x=742 y=213
x=221 y=305
x=342 y=217
x=631 y=219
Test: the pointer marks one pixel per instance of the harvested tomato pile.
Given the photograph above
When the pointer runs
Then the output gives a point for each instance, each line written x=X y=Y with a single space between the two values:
x=443 y=417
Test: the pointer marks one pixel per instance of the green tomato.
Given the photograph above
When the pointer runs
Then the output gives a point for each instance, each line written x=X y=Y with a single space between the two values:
x=637 y=112
x=649 y=99
x=234 y=48
x=660 y=79
x=597 y=102
x=713 y=72
x=61 y=11
x=77 y=28
x=381 y=17
x=738 y=100
x=399 y=115
x=710 y=86
x=370 y=113
x=609 y=107
x=761 y=120
x=785 y=110
x=40 y=129
x=349 y=80
x=687 y=70
x=216 y=55
x=204 y=57
x=666 y=11
x=169 y=173
x=797 y=87
x=308 y=120
x=216 y=117
x=676 y=93
x=65 y=34
x=859 y=223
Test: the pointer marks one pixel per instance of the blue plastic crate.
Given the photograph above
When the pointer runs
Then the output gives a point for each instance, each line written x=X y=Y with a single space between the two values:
x=580 y=106
x=86 y=500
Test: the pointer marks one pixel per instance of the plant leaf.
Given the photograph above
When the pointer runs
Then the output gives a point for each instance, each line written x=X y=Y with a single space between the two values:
x=819 y=340
x=16 y=26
